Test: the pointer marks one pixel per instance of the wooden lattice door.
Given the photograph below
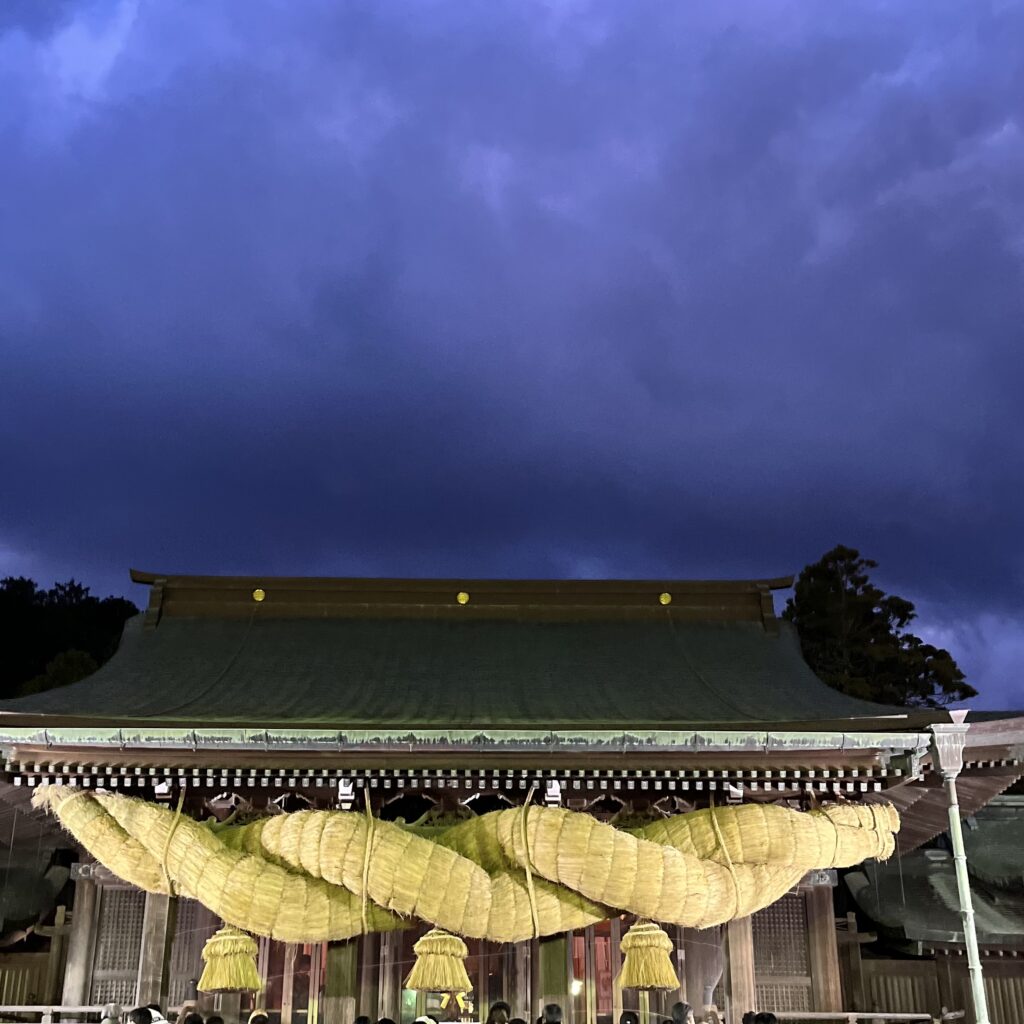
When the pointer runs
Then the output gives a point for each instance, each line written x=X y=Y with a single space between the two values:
x=115 y=967
x=782 y=962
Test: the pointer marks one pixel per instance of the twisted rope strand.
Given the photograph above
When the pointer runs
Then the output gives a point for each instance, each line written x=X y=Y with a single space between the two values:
x=506 y=876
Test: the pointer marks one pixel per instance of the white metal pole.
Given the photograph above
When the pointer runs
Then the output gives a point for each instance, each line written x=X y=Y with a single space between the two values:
x=948 y=741
x=963 y=886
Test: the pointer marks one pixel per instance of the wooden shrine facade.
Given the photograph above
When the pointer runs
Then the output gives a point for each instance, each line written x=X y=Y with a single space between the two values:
x=446 y=698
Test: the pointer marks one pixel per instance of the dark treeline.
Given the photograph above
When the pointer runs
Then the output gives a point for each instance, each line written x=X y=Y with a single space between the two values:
x=855 y=637
x=56 y=636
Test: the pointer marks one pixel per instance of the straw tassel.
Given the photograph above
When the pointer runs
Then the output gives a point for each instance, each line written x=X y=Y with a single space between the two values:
x=646 y=963
x=230 y=959
x=439 y=964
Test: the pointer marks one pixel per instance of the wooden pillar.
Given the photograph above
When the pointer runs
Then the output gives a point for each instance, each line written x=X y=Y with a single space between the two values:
x=390 y=983
x=229 y=1006
x=950 y=994
x=702 y=965
x=369 y=976
x=81 y=944
x=519 y=995
x=317 y=952
x=739 y=967
x=288 y=983
x=569 y=1003
x=678 y=962
x=155 y=953
x=852 y=965
x=554 y=975
x=616 y=957
x=341 y=989
x=54 y=959
x=590 y=981
x=826 y=985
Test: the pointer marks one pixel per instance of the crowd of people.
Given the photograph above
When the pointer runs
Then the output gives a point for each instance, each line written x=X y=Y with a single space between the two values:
x=152 y=1014
x=499 y=1013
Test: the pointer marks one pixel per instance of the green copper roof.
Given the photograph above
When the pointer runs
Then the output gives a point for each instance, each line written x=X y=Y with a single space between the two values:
x=445 y=672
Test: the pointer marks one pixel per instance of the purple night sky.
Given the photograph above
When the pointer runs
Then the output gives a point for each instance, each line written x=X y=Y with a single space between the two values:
x=519 y=289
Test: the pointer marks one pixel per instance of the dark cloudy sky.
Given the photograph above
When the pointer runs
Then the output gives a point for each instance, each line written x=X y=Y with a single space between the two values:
x=532 y=288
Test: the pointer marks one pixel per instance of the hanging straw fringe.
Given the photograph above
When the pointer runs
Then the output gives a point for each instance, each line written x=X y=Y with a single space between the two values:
x=646 y=962
x=230 y=963
x=439 y=964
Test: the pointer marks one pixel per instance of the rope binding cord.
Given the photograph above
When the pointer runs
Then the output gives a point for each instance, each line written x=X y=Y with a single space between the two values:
x=167 y=844
x=367 y=851
x=720 y=839
x=526 y=861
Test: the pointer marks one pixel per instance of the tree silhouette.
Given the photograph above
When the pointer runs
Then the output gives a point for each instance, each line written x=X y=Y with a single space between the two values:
x=54 y=637
x=854 y=637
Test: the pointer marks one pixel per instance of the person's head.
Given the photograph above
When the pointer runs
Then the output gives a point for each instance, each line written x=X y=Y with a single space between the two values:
x=681 y=1013
x=499 y=1013
x=766 y=1017
x=141 y=1015
x=259 y=1017
x=517 y=1020
x=385 y=1020
x=112 y=1012
x=748 y=1017
x=192 y=1017
x=629 y=1017
x=552 y=1014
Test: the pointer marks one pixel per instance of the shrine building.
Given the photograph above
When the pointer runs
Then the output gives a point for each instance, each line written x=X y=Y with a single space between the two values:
x=423 y=705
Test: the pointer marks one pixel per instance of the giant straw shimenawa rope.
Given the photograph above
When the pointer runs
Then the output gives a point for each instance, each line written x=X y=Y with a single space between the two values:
x=506 y=876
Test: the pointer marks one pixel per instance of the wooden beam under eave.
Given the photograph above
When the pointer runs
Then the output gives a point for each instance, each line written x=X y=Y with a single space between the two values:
x=455 y=758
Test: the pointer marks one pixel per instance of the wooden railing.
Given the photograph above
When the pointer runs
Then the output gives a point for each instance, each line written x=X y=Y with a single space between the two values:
x=48 y=1014
x=863 y=1018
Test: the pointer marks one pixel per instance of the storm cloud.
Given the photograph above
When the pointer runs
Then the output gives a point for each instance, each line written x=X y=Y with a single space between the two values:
x=519 y=289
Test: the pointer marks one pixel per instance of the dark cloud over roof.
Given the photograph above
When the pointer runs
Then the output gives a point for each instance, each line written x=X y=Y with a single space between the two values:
x=560 y=288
